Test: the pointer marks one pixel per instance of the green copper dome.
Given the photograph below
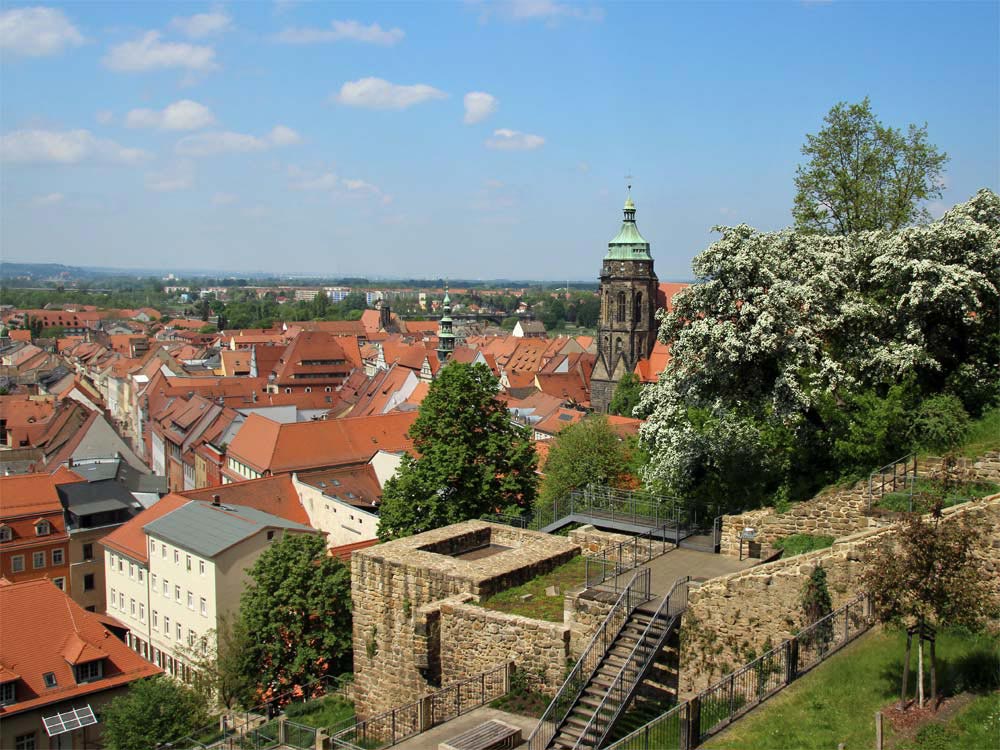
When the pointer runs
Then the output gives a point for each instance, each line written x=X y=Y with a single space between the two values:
x=628 y=244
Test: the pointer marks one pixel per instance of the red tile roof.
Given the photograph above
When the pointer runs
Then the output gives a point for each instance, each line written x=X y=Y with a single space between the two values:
x=344 y=551
x=53 y=632
x=265 y=445
x=275 y=495
x=130 y=539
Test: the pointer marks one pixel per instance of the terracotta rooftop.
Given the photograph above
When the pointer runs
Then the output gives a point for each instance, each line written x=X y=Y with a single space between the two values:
x=275 y=495
x=130 y=539
x=53 y=632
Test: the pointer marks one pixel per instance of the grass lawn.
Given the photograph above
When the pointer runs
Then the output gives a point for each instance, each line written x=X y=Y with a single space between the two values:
x=567 y=576
x=328 y=711
x=983 y=435
x=925 y=488
x=796 y=544
x=836 y=702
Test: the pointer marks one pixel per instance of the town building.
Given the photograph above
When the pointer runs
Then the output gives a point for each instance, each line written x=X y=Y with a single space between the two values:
x=59 y=666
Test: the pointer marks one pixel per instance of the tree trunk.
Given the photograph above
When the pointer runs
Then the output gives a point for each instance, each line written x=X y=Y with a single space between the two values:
x=920 y=669
x=934 y=702
x=906 y=671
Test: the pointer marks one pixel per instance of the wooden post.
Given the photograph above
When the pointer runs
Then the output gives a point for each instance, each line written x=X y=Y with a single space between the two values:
x=934 y=701
x=878 y=730
x=906 y=668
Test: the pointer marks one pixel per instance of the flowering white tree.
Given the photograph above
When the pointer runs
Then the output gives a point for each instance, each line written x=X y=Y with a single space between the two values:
x=784 y=326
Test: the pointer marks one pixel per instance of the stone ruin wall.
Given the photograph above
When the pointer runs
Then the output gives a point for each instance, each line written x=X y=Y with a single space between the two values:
x=729 y=619
x=836 y=513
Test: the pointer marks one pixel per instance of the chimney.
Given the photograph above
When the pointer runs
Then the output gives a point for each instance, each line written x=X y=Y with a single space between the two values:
x=216 y=501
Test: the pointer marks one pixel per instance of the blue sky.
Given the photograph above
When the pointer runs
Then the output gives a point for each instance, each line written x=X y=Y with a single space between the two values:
x=338 y=138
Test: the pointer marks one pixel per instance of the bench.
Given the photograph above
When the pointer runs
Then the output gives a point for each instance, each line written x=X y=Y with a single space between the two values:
x=490 y=735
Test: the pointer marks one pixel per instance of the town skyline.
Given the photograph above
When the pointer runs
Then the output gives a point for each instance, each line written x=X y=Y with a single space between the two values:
x=473 y=140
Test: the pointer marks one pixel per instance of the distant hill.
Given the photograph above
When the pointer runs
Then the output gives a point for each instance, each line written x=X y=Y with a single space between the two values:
x=43 y=271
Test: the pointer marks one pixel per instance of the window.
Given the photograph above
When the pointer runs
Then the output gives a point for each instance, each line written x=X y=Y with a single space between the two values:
x=38 y=560
x=177 y=556
x=60 y=583
x=6 y=534
x=131 y=606
x=88 y=582
x=142 y=612
x=7 y=693
x=58 y=556
x=155 y=619
x=177 y=593
x=43 y=528
x=121 y=600
x=163 y=550
x=92 y=670
x=204 y=607
x=621 y=307
x=88 y=552
x=190 y=600
x=201 y=567
x=114 y=598
x=17 y=563
x=25 y=742
x=166 y=588
x=190 y=637
x=166 y=624
x=188 y=563
x=131 y=570
x=141 y=575
x=152 y=581
x=121 y=565
x=156 y=656
x=179 y=631
x=49 y=678
x=152 y=546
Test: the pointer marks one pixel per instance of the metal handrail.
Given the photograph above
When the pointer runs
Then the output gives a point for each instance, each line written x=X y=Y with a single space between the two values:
x=905 y=460
x=631 y=672
x=618 y=566
x=634 y=594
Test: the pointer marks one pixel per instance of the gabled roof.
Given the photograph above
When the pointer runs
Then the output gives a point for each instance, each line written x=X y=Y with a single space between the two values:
x=649 y=369
x=207 y=529
x=354 y=485
x=265 y=445
x=559 y=421
x=129 y=539
x=28 y=494
x=275 y=495
x=665 y=293
x=53 y=632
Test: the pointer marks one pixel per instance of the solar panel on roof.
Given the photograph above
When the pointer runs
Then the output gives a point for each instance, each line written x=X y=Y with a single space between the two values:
x=67 y=722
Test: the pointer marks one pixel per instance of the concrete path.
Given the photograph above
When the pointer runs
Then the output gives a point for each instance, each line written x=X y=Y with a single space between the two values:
x=430 y=739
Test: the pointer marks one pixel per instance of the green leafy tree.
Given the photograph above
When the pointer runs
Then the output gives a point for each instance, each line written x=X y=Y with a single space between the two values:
x=471 y=459
x=626 y=396
x=862 y=175
x=296 y=611
x=152 y=712
x=928 y=577
x=588 y=452
x=940 y=424
x=219 y=661
x=588 y=311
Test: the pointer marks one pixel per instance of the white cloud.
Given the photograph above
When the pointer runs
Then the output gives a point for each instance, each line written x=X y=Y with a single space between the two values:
x=228 y=142
x=48 y=200
x=376 y=93
x=325 y=181
x=37 y=32
x=178 y=177
x=182 y=115
x=149 y=53
x=64 y=147
x=224 y=199
x=201 y=25
x=105 y=117
x=541 y=10
x=514 y=140
x=478 y=106
x=340 y=31
x=330 y=182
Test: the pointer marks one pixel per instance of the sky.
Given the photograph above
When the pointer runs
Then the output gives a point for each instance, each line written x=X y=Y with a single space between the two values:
x=453 y=139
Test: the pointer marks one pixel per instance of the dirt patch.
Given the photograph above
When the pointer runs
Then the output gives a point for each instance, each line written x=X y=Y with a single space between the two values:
x=906 y=723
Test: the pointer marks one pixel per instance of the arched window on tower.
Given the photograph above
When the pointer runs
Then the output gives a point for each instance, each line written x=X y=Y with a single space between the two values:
x=621 y=307
x=606 y=312
x=637 y=315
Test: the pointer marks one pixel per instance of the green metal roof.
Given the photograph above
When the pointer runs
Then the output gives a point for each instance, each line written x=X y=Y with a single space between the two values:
x=628 y=244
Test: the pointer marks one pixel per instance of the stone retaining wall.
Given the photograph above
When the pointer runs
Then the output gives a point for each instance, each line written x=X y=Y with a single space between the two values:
x=838 y=513
x=734 y=618
x=583 y=613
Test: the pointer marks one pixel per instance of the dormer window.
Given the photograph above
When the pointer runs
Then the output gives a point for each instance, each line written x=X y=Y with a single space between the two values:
x=6 y=534
x=89 y=671
x=8 y=694
x=43 y=528
x=49 y=678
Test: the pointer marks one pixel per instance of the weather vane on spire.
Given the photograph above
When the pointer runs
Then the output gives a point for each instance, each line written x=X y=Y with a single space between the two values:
x=628 y=184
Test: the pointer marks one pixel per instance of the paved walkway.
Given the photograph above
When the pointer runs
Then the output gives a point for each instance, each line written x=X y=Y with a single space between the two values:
x=677 y=563
x=430 y=739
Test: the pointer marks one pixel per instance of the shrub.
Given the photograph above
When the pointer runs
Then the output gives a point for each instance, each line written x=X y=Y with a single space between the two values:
x=940 y=423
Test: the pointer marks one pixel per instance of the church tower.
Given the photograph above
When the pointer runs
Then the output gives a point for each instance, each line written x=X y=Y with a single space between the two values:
x=627 y=326
x=446 y=336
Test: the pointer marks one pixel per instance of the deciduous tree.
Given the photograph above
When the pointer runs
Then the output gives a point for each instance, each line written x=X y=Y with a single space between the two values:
x=470 y=458
x=626 y=396
x=588 y=452
x=862 y=175
x=153 y=711
x=296 y=612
